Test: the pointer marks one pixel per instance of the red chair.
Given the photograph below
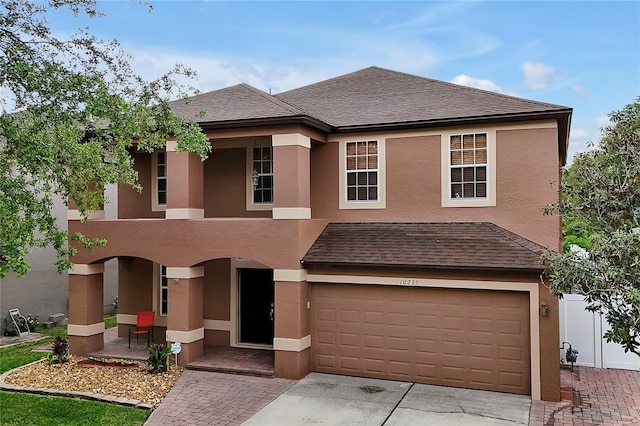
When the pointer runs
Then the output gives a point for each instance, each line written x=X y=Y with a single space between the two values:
x=144 y=325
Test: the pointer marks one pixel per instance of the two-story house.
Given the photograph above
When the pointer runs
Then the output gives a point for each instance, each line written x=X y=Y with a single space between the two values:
x=376 y=224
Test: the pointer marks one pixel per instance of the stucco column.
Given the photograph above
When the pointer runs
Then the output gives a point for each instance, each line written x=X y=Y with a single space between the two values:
x=184 y=319
x=292 y=340
x=291 y=174
x=86 y=323
x=185 y=183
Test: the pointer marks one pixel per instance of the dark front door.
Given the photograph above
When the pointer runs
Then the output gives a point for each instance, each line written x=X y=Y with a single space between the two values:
x=255 y=304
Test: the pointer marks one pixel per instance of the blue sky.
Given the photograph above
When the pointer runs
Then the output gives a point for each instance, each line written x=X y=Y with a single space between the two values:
x=580 y=54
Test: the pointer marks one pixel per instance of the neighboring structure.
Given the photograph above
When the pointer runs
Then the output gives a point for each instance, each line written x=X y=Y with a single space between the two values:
x=375 y=224
x=43 y=292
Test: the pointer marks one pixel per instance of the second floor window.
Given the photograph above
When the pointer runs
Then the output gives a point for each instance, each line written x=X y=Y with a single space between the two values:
x=161 y=178
x=362 y=171
x=468 y=165
x=262 y=170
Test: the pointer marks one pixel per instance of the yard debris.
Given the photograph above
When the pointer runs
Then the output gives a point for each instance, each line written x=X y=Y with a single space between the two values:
x=133 y=384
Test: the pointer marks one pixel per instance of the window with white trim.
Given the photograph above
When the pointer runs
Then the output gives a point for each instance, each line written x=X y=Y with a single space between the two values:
x=361 y=171
x=164 y=290
x=468 y=166
x=262 y=170
x=160 y=178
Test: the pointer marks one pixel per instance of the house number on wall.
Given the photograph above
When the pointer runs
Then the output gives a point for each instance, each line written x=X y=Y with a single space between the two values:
x=409 y=282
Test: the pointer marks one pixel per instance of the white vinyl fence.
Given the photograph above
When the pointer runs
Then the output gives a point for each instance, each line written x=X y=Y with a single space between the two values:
x=584 y=330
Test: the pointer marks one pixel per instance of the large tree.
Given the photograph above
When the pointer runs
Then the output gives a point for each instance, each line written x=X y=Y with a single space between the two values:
x=602 y=194
x=71 y=111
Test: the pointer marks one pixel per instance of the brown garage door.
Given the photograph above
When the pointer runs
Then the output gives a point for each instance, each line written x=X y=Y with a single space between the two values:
x=475 y=339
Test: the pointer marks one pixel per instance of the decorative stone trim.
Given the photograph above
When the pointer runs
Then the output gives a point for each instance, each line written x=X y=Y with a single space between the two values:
x=85 y=330
x=184 y=213
x=171 y=146
x=291 y=139
x=84 y=269
x=291 y=275
x=291 y=213
x=186 y=273
x=185 y=336
x=92 y=215
x=217 y=325
x=291 y=345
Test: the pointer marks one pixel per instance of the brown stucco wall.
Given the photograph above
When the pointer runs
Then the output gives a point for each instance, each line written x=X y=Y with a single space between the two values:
x=549 y=347
x=272 y=243
x=135 y=285
x=526 y=181
x=225 y=185
x=291 y=176
x=216 y=290
x=293 y=365
x=85 y=299
x=133 y=204
x=184 y=180
x=292 y=315
x=185 y=304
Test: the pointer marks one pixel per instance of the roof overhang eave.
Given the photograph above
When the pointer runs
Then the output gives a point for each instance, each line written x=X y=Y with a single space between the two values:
x=269 y=121
x=425 y=267
x=563 y=116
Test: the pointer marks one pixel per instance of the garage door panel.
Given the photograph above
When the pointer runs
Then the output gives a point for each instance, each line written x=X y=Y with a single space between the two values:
x=468 y=338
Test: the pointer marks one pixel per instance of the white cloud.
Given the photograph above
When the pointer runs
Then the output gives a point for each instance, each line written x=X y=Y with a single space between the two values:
x=579 y=134
x=603 y=121
x=537 y=75
x=478 y=83
x=582 y=91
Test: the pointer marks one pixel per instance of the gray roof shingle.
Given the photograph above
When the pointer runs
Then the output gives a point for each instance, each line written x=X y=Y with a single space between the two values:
x=443 y=245
x=239 y=102
x=379 y=96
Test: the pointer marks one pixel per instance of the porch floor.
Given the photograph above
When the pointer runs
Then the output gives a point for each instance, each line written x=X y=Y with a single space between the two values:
x=253 y=362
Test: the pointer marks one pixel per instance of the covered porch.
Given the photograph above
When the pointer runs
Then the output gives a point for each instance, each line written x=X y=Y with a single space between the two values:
x=252 y=362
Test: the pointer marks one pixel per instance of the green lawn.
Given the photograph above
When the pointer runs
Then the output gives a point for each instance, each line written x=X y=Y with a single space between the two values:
x=28 y=409
x=36 y=410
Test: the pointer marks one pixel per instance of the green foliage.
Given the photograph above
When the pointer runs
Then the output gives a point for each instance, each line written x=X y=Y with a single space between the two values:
x=110 y=321
x=60 y=350
x=68 y=105
x=601 y=205
x=14 y=356
x=36 y=410
x=159 y=358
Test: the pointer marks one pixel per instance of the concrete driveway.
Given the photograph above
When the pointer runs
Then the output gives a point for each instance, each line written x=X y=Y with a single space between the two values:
x=325 y=399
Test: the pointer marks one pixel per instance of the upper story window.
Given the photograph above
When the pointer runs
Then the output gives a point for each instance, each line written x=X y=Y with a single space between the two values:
x=159 y=180
x=262 y=175
x=468 y=169
x=362 y=182
x=362 y=171
x=468 y=165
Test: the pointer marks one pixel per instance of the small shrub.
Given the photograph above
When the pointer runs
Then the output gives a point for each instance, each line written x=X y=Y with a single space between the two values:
x=60 y=350
x=159 y=358
x=33 y=322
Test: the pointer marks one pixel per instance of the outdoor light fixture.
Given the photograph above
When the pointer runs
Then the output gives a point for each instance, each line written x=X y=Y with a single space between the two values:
x=544 y=309
x=254 y=180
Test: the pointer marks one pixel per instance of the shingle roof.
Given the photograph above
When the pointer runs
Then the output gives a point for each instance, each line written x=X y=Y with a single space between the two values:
x=239 y=102
x=380 y=96
x=450 y=246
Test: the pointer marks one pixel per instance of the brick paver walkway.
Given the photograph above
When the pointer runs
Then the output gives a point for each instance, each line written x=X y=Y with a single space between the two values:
x=206 y=398
x=600 y=397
